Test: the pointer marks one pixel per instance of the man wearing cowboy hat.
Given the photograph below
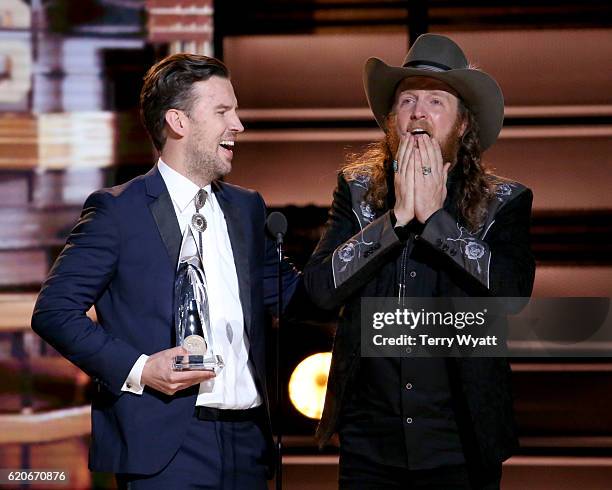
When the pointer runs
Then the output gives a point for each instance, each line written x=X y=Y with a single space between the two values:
x=418 y=215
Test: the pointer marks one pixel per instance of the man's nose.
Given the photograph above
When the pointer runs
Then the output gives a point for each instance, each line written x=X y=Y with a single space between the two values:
x=235 y=125
x=418 y=110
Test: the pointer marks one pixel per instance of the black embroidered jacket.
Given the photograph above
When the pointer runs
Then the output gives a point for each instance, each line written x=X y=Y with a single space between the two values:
x=357 y=257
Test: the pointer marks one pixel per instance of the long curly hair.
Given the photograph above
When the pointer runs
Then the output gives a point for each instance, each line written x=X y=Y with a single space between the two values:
x=475 y=180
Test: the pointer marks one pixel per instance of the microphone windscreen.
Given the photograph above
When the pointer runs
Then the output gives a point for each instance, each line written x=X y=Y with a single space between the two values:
x=276 y=223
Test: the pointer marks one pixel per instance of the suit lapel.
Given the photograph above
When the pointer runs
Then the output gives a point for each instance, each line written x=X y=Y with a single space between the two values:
x=240 y=248
x=162 y=210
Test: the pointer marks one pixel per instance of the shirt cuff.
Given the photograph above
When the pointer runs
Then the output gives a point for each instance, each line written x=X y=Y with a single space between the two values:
x=132 y=383
x=403 y=231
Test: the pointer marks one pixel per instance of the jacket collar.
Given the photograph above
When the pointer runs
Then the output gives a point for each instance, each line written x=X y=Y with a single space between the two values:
x=163 y=213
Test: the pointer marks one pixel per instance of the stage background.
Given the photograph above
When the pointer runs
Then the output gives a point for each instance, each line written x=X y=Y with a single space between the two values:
x=70 y=74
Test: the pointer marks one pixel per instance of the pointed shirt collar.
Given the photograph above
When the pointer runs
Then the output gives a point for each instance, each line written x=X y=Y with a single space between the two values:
x=181 y=189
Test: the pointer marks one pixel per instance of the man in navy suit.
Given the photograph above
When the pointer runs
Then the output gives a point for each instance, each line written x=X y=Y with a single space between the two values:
x=153 y=426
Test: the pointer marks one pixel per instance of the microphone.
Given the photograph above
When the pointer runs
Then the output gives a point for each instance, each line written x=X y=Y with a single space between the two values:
x=277 y=225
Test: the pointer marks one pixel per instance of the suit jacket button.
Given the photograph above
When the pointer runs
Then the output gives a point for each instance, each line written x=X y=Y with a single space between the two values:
x=445 y=247
x=453 y=252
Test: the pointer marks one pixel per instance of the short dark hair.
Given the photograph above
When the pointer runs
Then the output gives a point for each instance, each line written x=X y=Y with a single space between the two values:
x=168 y=85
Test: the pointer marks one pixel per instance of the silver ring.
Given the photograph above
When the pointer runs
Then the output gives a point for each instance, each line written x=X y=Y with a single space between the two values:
x=395 y=167
x=426 y=170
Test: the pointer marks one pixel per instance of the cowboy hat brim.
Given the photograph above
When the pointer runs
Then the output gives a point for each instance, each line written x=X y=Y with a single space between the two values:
x=480 y=93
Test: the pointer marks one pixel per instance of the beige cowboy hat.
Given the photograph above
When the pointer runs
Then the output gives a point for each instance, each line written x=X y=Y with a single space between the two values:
x=438 y=57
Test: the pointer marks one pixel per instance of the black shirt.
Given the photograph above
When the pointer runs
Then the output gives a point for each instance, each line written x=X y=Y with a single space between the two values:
x=398 y=411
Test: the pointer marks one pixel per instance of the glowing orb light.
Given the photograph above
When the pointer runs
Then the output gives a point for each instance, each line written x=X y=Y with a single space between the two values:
x=308 y=384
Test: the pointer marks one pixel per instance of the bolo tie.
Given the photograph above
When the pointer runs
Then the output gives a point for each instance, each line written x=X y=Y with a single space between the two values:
x=198 y=221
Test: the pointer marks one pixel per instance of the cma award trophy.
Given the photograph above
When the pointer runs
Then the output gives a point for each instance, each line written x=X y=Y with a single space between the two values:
x=192 y=320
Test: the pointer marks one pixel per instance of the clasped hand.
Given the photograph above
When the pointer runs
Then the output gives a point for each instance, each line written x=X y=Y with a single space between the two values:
x=420 y=180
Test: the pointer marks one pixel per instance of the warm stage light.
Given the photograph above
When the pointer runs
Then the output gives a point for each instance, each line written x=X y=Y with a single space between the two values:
x=308 y=384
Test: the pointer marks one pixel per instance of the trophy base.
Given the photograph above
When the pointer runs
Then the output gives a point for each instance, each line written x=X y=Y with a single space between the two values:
x=197 y=363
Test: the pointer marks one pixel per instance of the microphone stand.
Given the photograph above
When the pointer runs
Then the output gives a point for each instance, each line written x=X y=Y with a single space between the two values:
x=279 y=397
x=277 y=227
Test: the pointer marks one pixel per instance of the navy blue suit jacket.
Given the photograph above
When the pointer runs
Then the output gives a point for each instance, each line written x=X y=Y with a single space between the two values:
x=121 y=257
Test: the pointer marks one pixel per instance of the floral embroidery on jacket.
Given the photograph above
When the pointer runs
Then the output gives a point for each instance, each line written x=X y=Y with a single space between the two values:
x=504 y=189
x=346 y=253
x=366 y=211
x=469 y=246
x=474 y=250
x=362 y=180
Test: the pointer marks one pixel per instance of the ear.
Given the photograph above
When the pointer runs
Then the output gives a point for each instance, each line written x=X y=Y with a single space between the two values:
x=177 y=121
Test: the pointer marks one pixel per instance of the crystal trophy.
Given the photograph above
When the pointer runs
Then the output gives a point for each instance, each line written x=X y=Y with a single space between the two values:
x=192 y=320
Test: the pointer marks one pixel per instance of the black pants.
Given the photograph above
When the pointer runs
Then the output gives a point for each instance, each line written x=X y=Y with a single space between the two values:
x=361 y=473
